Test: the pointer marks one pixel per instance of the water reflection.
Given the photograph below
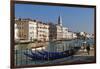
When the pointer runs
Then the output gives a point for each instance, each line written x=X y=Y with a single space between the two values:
x=58 y=46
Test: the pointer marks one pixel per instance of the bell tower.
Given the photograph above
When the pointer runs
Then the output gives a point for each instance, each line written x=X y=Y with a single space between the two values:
x=60 y=20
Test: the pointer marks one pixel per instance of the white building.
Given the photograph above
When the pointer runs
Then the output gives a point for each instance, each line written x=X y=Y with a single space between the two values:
x=82 y=33
x=43 y=31
x=88 y=35
x=32 y=33
x=25 y=29
x=16 y=32
x=65 y=32
x=59 y=29
x=59 y=32
x=29 y=30
x=74 y=35
x=69 y=35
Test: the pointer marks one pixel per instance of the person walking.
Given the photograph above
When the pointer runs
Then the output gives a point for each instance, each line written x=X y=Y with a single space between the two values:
x=88 y=49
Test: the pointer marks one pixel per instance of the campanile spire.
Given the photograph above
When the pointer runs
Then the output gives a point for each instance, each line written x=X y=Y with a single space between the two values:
x=60 y=20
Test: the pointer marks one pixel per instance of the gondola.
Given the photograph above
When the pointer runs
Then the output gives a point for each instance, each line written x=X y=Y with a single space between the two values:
x=35 y=56
x=54 y=55
x=45 y=55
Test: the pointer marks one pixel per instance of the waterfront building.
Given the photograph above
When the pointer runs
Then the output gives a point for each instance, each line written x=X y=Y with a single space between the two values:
x=22 y=27
x=65 y=32
x=82 y=33
x=43 y=31
x=70 y=35
x=88 y=35
x=59 y=32
x=74 y=35
x=26 y=29
x=30 y=30
x=59 y=29
x=52 y=31
x=16 y=32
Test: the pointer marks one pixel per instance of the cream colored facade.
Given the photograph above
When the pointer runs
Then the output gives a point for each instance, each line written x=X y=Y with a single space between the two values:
x=65 y=32
x=74 y=36
x=26 y=29
x=16 y=32
x=70 y=35
x=22 y=27
x=82 y=33
x=43 y=31
x=32 y=31
x=59 y=29
x=59 y=32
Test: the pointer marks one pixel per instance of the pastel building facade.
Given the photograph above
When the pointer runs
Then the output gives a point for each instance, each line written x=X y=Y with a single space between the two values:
x=82 y=33
x=42 y=31
x=65 y=32
x=70 y=35
x=22 y=27
x=30 y=30
x=32 y=34
x=74 y=35
x=26 y=29
x=16 y=32
x=59 y=29
x=59 y=32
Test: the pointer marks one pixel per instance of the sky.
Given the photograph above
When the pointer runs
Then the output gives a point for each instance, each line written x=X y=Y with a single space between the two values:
x=75 y=18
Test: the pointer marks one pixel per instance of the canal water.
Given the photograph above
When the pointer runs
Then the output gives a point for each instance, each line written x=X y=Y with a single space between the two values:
x=59 y=46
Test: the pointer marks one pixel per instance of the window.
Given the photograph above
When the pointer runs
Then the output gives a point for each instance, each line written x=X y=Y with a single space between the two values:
x=31 y=27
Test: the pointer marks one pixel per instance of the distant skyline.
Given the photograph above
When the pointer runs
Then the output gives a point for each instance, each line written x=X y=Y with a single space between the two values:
x=75 y=18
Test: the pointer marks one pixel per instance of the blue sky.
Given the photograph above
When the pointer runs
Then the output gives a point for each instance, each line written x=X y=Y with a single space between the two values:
x=75 y=18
